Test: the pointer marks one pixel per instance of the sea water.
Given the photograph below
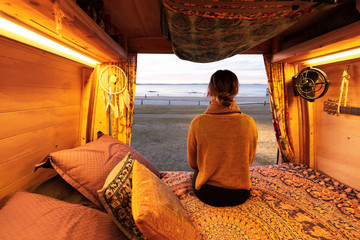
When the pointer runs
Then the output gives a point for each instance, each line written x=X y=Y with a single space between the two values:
x=194 y=90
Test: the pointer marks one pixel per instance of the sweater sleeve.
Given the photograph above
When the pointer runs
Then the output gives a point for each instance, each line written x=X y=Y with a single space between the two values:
x=191 y=148
x=254 y=142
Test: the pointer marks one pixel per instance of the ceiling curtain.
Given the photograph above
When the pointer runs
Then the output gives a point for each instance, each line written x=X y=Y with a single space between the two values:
x=212 y=30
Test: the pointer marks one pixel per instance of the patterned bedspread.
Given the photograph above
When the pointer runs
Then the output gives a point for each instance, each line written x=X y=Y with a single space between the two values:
x=288 y=201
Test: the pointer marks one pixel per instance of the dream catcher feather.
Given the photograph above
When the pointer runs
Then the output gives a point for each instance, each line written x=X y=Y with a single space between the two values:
x=113 y=82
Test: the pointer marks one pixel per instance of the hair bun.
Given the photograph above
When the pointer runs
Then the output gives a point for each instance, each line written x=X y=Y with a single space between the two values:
x=225 y=99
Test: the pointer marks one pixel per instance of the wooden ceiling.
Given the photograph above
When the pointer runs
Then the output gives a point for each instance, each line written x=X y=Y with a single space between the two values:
x=139 y=23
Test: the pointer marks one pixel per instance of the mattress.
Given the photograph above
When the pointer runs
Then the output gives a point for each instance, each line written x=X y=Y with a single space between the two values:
x=288 y=201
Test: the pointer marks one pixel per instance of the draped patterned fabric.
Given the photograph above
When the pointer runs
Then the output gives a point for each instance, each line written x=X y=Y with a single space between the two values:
x=208 y=31
x=239 y=9
x=279 y=106
x=288 y=201
x=113 y=113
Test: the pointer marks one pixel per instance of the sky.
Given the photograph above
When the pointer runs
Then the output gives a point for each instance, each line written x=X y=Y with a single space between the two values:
x=169 y=69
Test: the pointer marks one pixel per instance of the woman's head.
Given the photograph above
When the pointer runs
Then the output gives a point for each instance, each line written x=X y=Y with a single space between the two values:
x=224 y=86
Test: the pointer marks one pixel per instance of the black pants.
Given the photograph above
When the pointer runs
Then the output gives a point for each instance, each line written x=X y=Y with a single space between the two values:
x=220 y=197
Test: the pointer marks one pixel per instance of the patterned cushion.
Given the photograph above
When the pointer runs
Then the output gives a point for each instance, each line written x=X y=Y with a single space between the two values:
x=157 y=211
x=86 y=167
x=37 y=217
x=116 y=197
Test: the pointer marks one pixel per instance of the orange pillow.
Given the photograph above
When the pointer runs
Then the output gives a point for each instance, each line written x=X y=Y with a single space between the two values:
x=157 y=211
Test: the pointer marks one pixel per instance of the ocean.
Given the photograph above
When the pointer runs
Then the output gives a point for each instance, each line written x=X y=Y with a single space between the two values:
x=194 y=90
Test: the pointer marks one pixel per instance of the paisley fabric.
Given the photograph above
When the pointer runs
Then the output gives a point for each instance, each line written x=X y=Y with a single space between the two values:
x=208 y=31
x=121 y=126
x=241 y=9
x=288 y=201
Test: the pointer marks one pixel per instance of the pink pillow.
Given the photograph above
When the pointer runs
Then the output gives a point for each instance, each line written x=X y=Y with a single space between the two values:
x=33 y=216
x=86 y=167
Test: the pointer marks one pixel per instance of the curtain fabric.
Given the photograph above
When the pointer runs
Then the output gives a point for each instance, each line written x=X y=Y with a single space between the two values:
x=121 y=125
x=242 y=9
x=208 y=31
x=278 y=106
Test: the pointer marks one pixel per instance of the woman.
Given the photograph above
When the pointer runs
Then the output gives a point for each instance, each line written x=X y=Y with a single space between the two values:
x=221 y=145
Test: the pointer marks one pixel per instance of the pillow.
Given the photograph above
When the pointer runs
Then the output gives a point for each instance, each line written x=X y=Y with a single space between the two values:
x=34 y=216
x=116 y=197
x=86 y=167
x=157 y=211
x=56 y=187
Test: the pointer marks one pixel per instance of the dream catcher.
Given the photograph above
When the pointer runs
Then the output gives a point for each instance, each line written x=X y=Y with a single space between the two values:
x=310 y=84
x=113 y=82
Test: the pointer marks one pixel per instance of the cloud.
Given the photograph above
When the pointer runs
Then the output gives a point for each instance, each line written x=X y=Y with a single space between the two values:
x=168 y=68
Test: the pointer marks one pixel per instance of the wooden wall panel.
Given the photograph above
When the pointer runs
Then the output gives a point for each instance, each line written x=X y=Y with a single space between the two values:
x=14 y=98
x=25 y=182
x=26 y=66
x=20 y=122
x=15 y=169
x=40 y=111
x=337 y=137
x=14 y=147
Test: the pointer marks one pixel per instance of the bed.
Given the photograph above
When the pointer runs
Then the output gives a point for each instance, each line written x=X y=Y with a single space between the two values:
x=107 y=190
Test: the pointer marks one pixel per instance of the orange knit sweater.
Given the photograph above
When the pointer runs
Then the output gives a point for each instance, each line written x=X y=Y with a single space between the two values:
x=221 y=146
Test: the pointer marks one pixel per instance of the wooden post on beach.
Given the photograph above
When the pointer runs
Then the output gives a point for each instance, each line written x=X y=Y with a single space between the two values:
x=141 y=102
x=169 y=102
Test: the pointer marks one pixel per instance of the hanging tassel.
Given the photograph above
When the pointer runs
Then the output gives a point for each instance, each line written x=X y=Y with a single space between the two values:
x=126 y=97
x=116 y=108
x=344 y=84
x=106 y=100
x=121 y=104
x=124 y=102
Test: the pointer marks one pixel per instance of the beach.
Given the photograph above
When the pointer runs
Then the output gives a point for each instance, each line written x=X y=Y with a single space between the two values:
x=160 y=130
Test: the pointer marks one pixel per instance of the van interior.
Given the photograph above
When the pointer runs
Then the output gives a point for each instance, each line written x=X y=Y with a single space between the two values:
x=67 y=87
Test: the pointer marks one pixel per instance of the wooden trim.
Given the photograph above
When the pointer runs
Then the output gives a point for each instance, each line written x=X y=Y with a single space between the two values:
x=150 y=45
x=86 y=104
x=312 y=132
x=343 y=38
x=77 y=29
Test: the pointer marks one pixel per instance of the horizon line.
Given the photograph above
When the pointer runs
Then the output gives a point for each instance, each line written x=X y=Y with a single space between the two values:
x=194 y=83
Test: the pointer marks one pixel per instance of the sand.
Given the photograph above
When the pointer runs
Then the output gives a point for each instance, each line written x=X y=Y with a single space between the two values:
x=160 y=132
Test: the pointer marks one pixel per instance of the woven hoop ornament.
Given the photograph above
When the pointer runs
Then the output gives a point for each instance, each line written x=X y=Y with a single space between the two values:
x=113 y=74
